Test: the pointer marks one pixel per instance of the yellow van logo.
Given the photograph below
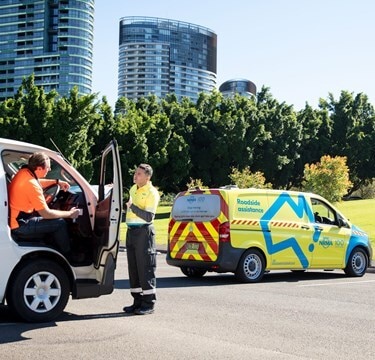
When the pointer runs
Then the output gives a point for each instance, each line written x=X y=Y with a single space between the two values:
x=299 y=209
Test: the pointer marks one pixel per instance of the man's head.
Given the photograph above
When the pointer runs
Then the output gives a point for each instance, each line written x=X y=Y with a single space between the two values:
x=143 y=174
x=39 y=163
x=147 y=169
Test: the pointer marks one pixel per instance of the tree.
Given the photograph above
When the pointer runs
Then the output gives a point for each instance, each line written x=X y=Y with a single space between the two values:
x=130 y=132
x=353 y=136
x=102 y=133
x=247 y=179
x=218 y=136
x=315 y=141
x=175 y=172
x=26 y=116
x=72 y=127
x=13 y=123
x=329 y=178
x=277 y=148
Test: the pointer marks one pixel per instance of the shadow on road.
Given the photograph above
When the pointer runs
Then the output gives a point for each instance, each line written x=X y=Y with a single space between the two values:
x=11 y=330
x=212 y=279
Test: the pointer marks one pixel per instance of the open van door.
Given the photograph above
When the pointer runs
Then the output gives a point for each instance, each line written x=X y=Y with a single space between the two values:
x=109 y=209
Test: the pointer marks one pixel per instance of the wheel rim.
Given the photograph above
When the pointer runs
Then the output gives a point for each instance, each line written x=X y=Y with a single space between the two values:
x=252 y=266
x=42 y=292
x=359 y=262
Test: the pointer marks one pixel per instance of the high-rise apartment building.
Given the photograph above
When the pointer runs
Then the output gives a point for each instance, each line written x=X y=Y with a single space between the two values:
x=242 y=87
x=52 y=39
x=160 y=56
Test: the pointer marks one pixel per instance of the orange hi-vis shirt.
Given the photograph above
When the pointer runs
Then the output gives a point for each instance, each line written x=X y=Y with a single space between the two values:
x=25 y=194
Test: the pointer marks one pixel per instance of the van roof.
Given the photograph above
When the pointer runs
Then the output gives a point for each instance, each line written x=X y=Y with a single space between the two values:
x=236 y=190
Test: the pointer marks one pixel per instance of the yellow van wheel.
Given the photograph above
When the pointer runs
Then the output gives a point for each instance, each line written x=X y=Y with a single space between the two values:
x=251 y=267
x=357 y=263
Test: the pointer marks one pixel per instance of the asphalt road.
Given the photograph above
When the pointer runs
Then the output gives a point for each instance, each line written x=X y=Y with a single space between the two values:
x=311 y=315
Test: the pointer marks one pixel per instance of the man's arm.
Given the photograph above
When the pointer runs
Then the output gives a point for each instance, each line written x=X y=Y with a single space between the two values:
x=48 y=182
x=48 y=213
x=143 y=214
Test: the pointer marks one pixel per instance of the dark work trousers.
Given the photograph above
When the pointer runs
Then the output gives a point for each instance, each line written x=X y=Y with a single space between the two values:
x=141 y=255
x=53 y=231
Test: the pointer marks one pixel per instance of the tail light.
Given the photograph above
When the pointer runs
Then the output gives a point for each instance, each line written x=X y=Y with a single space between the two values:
x=224 y=232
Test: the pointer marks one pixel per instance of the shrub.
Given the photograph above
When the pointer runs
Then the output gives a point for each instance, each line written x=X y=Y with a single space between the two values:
x=195 y=183
x=328 y=178
x=246 y=179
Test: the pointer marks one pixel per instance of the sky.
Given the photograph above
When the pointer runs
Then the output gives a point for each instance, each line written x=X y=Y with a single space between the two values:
x=302 y=50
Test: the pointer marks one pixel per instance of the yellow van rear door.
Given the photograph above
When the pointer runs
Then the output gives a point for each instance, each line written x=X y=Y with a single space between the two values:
x=194 y=225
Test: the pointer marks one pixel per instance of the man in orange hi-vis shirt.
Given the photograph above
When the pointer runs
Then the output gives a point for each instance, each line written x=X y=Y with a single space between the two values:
x=30 y=216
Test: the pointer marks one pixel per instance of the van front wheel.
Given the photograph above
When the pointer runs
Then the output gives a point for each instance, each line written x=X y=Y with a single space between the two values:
x=357 y=263
x=39 y=291
x=251 y=267
x=192 y=272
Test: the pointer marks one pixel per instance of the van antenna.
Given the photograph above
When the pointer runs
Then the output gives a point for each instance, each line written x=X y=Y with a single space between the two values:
x=58 y=150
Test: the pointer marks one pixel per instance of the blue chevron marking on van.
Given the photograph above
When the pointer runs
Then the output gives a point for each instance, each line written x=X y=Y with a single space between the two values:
x=299 y=208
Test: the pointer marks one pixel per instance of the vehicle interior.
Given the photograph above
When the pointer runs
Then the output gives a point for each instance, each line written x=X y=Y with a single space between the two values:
x=324 y=214
x=83 y=242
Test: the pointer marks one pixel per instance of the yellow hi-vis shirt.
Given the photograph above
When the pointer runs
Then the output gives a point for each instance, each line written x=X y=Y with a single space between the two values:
x=146 y=198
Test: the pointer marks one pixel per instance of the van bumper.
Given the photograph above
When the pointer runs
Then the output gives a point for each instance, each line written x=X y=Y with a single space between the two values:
x=227 y=260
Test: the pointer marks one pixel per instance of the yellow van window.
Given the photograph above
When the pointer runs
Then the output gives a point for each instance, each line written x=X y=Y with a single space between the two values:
x=196 y=207
x=322 y=212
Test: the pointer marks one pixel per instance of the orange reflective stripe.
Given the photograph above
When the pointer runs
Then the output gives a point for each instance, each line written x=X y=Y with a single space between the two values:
x=284 y=224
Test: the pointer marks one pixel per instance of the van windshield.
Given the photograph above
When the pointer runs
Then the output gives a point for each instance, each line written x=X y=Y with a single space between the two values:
x=196 y=207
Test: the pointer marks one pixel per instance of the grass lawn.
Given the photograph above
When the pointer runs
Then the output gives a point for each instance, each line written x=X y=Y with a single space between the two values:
x=359 y=212
x=161 y=226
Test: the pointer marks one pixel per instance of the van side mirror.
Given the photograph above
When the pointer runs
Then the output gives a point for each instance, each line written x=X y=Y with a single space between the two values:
x=342 y=223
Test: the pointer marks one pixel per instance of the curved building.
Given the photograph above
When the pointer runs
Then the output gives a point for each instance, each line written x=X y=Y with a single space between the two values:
x=52 y=39
x=160 y=56
x=242 y=87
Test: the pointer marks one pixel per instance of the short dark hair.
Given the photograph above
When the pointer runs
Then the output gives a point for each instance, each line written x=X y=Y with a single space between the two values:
x=37 y=159
x=147 y=169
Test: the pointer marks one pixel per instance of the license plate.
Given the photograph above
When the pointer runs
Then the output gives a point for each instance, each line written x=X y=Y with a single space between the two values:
x=192 y=246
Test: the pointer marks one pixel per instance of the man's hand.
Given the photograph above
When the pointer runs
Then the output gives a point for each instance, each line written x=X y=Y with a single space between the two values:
x=64 y=185
x=74 y=213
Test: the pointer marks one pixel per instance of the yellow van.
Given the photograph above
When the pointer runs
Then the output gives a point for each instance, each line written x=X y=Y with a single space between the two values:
x=251 y=231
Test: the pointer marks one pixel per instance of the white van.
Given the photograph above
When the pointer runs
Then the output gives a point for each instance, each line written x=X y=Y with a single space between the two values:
x=36 y=280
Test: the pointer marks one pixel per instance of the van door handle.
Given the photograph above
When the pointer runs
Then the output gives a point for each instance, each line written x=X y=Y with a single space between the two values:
x=305 y=227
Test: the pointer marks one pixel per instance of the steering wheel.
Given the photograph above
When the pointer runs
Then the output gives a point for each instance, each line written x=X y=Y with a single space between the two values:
x=50 y=193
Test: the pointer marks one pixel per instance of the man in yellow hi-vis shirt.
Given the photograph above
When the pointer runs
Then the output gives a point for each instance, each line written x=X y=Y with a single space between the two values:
x=140 y=241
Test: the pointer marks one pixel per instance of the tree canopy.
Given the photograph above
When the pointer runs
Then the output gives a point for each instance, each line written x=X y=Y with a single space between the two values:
x=206 y=140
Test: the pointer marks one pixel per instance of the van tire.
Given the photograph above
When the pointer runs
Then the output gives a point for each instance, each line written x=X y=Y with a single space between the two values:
x=251 y=267
x=192 y=272
x=42 y=300
x=357 y=263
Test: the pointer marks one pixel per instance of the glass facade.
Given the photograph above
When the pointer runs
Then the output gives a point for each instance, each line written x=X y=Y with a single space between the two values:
x=160 y=56
x=52 y=39
x=242 y=87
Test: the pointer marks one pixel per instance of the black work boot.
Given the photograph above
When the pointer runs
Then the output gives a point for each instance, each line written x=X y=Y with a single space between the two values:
x=147 y=305
x=143 y=310
x=137 y=303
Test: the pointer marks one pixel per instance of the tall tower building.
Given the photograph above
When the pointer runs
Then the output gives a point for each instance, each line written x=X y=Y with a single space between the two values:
x=161 y=56
x=52 y=39
x=242 y=87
